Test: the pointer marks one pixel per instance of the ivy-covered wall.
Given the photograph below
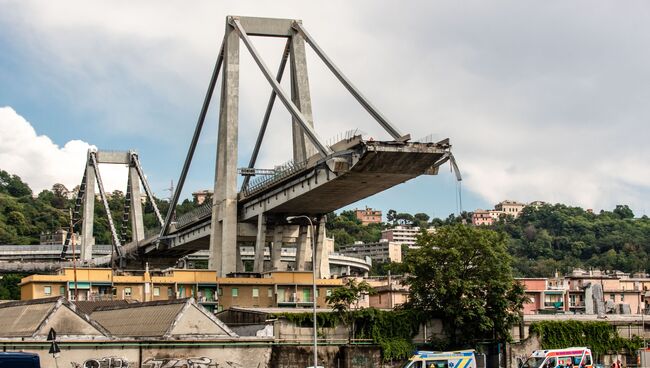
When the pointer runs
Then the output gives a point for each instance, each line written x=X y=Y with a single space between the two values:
x=600 y=337
x=393 y=331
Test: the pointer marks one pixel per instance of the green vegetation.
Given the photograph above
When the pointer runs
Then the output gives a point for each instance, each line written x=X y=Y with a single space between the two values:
x=392 y=330
x=24 y=217
x=462 y=275
x=601 y=337
x=559 y=237
x=9 y=289
x=346 y=229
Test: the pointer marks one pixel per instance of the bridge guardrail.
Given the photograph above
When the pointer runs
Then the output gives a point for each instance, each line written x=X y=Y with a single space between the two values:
x=281 y=172
x=196 y=214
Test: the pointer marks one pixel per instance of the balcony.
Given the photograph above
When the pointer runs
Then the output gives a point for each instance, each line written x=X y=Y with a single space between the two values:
x=551 y=304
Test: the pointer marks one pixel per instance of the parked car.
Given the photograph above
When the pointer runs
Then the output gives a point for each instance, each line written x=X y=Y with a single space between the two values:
x=19 y=360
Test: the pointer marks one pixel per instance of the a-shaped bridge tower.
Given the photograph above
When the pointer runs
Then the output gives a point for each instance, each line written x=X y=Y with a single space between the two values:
x=320 y=178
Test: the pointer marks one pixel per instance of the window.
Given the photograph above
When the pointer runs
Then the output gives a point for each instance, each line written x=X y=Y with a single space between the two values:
x=622 y=297
x=114 y=291
x=156 y=291
x=220 y=291
x=612 y=297
x=62 y=290
x=270 y=292
x=256 y=292
x=47 y=290
x=306 y=295
x=170 y=292
x=127 y=291
x=235 y=292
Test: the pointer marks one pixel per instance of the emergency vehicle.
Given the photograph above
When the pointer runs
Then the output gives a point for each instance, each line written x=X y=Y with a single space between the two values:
x=445 y=359
x=576 y=357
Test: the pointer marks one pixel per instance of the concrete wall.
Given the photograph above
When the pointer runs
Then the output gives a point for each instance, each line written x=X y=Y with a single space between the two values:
x=133 y=355
x=129 y=354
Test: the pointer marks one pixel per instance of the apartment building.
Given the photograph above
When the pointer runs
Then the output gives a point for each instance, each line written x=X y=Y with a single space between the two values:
x=272 y=289
x=588 y=292
x=482 y=217
x=510 y=208
x=383 y=251
x=403 y=234
x=368 y=216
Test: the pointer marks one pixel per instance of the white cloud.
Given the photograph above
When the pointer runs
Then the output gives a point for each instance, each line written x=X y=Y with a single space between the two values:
x=41 y=163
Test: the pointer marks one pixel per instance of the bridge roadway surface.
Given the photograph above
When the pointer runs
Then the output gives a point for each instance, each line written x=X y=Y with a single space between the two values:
x=357 y=169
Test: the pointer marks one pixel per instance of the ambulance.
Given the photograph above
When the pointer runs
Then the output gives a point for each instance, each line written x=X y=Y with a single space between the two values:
x=446 y=359
x=576 y=357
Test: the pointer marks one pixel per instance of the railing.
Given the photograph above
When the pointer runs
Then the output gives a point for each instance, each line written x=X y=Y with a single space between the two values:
x=196 y=214
x=554 y=304
x=281 y=172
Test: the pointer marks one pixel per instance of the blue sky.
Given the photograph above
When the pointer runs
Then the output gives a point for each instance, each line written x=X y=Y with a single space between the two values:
x=541 y=101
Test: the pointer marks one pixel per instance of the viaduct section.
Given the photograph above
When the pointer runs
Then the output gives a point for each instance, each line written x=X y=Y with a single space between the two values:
x=318 y=179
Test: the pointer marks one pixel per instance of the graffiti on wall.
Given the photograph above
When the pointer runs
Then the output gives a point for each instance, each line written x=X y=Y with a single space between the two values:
x=106 y=362
x=198 y=362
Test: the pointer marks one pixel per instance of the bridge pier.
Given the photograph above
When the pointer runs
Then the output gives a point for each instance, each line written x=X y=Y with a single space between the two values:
x=223 y=240
x=276 y=251
x=87 y=238
x=260 y=244
x=322 y=253
x=304 y=232
x=137 y=221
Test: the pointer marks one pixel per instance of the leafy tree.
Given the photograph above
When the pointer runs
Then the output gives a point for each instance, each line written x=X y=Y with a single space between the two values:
x=13 y=185
x=623 y=211
x=462 y=275
x=9 y=289
x=391 y=216
x=343 y=298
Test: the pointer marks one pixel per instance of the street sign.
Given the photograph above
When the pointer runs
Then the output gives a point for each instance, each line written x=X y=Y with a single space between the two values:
x=54 y=348
x=51 y=336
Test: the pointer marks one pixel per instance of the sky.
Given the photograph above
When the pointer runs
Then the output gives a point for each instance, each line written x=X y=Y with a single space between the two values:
x=541 y=100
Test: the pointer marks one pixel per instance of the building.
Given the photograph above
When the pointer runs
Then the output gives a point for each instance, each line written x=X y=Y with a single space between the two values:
x=383 y=251
x=57 y=238
x=35 y=318
x=166 y=319
x=482 y=217
x=201 y=195
x=510 y=208
x=271 y=289
x=403 y=234
x=368 y=216
x=588 y=292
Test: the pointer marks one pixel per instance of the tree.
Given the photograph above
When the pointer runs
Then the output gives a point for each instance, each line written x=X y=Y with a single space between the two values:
x=462 y=275
x=623 y=211
x=344 y=297
x=13 y=185
x=390 y=216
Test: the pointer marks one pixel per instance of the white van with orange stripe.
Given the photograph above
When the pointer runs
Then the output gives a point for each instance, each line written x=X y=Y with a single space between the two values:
x=445 y=359
x=576 y=357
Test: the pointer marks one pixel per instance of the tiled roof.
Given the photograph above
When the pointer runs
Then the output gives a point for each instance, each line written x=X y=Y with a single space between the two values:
x=20 y=320
x=151 y=319
x=88 y=307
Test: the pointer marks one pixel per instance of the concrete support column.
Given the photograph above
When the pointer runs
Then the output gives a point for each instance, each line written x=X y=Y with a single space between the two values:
x=223 y=240
x=137 y=221
x=239 y=266
x=301 y=248
x=302 y=147
x=260 y=244
x=322 y=253
x=87 y=239
x=276 y=252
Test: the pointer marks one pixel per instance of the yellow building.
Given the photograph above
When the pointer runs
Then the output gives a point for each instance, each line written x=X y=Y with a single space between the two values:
x=272 y=289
